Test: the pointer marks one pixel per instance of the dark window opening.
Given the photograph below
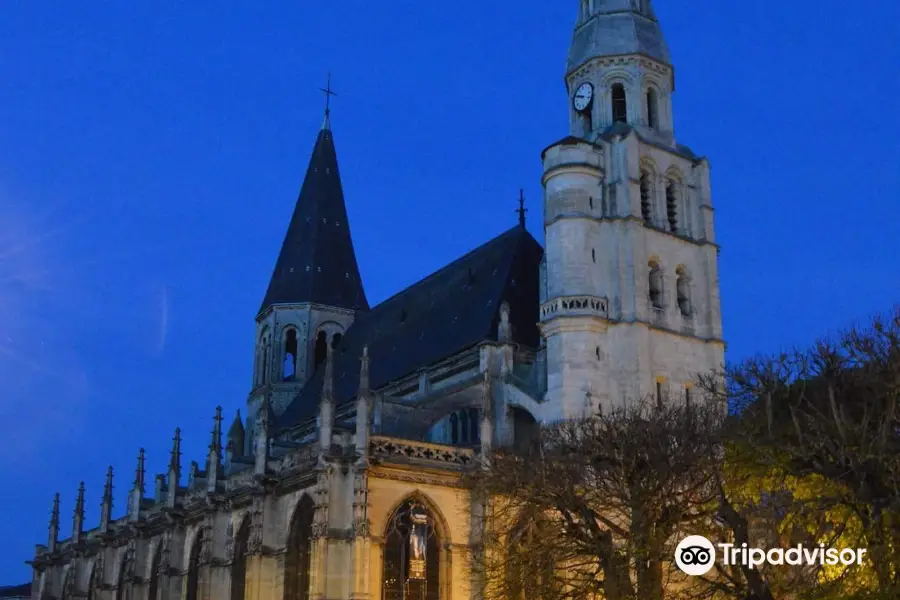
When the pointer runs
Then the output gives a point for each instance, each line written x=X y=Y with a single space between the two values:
x=193 y=574
x=454 y=429
x=659 y=394
x=264 y=374
x=687 y=396
x=672 y=206
x=619 y=104
x=683 y=293
x=646 y=199
x=153 y=591
x=597 y=352
x=290 y=355
x=239 y=562
x=321 y=351
x=593 y=254
x=475 y=425
x=652 y=109
x=526 y=431
x=336 y=340
x=464 y=427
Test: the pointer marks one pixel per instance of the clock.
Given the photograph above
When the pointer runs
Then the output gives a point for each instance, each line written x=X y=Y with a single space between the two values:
x=583 y=96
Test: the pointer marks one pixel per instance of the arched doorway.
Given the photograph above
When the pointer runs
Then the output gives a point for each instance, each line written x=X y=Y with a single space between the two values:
x=298 y=561
x=239 y=561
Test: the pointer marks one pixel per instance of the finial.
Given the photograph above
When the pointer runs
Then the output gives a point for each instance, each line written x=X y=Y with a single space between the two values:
x=78 y=516
x=175 y=456
x=236 y=435
x=522 y=210
x=106 y=504
x=326 y=124
x=53 y=539
x=139 y=472
x=215 y=443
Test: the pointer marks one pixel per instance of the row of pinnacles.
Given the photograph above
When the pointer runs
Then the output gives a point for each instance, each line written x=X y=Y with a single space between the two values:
x=105 y=562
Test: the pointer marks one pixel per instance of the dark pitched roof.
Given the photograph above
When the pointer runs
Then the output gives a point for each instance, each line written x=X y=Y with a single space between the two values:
x=450 y=310
x=317 y=262
x=15 y=591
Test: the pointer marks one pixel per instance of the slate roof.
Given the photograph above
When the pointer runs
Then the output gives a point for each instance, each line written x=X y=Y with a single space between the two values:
x=450 y=310
x=317 y=262
x=615 y=28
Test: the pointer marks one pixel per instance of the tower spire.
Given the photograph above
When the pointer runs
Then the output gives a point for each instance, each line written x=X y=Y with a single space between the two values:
x=317 y=262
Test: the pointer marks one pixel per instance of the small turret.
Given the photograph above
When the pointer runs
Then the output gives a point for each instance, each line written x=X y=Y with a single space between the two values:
x=236 y=434
x=78 y=516
x=53 y=538
x=107 y=503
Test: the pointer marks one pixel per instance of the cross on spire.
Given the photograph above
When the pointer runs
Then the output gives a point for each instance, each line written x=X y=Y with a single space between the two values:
x=328 y=94
x=522 y=210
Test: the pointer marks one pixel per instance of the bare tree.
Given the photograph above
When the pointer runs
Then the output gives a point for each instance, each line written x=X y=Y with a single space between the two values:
x=593 y=508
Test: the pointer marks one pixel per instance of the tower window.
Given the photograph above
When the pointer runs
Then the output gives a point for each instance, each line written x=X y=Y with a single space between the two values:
x=335 y=340
x=619 y=104
x=682 y=289
x=656 y=287
x=475 y=426
x=454 y=429
x=672 y=205
x=652 y=109
x=593 y=255
x=290 y=355
x=646 y=198
x=687 y=396
x=659 y=394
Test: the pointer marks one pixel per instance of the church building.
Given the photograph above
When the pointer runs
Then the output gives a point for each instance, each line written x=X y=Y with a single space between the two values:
x=344 y=479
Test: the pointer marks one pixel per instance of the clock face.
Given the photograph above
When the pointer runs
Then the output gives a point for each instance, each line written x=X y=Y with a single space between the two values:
x=583 y=96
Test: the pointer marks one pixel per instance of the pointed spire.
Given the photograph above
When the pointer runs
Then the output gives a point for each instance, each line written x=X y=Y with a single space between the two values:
x=636 y=28
x=137 y=492
x=107 y=503
x=78 y=516
x=236 y=435
x=326 y=406
x=363 y=401
x=214 y=457
x=53 y=538
x=317 y=262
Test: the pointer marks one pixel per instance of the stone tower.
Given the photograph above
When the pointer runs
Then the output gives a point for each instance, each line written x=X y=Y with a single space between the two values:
x=630 y=292
x=315 y=291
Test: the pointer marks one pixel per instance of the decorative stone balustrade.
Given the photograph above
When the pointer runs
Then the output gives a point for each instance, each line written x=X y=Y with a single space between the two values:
x=407 y=449
x=575 y=306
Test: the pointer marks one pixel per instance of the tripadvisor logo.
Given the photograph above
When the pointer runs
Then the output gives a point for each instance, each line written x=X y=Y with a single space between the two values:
x=696 y=555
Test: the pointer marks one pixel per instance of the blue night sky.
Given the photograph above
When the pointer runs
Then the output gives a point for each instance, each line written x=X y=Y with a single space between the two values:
x=151 y=156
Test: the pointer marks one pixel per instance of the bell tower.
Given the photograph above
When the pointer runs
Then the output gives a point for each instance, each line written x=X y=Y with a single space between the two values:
x=630 y=300
x=315 y=291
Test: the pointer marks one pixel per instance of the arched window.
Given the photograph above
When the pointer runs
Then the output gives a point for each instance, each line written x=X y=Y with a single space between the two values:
x=153 y=586
x=454 y=429
x=321 y=351
x=94 y=581
x=335 y=340
x=239 y=561
x=193 y=574
x=652 y=108
x=656 y=286
x=683 y=290
x=526 y=431
x=264 y=372
x=411 y=555
x=619 y=104
x=299 y=552
x=475 y=425
x=289 y=368
x=646 y=198
x=463 y=427
x=672 y=205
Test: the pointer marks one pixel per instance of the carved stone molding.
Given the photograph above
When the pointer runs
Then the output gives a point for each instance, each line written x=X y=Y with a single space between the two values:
x=407 y=449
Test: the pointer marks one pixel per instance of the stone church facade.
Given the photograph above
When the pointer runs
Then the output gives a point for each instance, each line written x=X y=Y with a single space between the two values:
x=344 y=479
